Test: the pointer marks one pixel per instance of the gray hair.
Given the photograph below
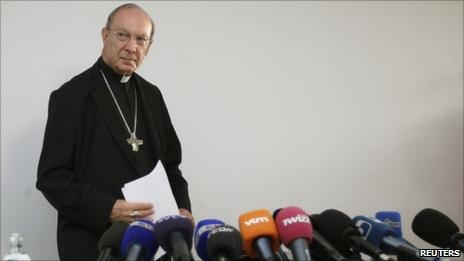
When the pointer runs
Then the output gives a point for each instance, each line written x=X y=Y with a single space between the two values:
x=128 y=6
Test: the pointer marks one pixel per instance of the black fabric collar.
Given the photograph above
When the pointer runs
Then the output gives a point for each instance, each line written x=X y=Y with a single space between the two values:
x=113 y=76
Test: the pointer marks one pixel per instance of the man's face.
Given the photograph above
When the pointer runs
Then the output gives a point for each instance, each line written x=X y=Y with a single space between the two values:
x=127 y=41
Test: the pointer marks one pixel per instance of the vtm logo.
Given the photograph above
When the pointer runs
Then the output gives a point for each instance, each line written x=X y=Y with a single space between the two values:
x=296 y=219
x=256 y=220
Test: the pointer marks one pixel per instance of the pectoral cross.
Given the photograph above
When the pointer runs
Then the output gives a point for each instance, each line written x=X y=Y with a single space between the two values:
x=134 y=142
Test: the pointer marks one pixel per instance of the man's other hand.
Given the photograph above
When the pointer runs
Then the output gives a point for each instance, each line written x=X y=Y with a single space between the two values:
x=131 y=211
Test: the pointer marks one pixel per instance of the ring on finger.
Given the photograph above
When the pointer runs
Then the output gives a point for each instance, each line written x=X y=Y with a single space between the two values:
x=134 y=214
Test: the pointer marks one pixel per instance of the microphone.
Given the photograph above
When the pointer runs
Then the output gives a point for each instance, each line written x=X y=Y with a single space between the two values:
x=259 y=234
x=280 y=254
x=111 y=240
x=139 y=241
x=224 y=243
x=341 y=231
x=380 y=234
x=391 y=218
x=201 y=232
x=295 y=231
x=321 y=248
x=174 y=235
x=438 y=229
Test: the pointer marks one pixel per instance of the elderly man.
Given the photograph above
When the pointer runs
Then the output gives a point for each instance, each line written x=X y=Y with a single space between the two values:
x=107 y=126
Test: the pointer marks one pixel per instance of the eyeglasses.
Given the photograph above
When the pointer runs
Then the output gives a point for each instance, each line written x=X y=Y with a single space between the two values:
x=123 y=36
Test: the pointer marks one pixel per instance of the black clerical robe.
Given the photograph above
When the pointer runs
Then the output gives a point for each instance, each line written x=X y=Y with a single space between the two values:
x=85 y=159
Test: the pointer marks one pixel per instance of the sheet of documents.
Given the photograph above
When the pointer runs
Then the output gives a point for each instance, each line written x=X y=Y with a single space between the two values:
x=153 y=188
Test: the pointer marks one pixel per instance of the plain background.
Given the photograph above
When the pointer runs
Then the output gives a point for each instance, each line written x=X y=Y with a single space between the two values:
x=356 y=106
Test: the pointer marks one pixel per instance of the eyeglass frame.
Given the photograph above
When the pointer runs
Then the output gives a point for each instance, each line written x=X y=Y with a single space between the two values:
x=146 y=41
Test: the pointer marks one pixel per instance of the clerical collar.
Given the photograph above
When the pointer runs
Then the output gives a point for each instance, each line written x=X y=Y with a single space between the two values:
x=114 y=76
x=125 y=78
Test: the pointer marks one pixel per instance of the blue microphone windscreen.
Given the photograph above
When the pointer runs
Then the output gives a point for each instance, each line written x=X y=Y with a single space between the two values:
x=373 y=230
x=391 y=218
x=140 y=232
x=163 y=228
x=202 y=230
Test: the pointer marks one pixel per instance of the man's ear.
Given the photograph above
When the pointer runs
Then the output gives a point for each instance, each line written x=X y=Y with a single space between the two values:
x=105 y=33
x=148 y=47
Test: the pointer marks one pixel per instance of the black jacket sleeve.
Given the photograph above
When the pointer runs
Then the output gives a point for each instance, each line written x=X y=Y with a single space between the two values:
x=76 y=201
x=173 y=152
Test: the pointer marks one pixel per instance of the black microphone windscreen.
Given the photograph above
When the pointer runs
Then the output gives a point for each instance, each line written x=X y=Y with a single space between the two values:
x=434 y=227
x=112 y=236
x=337 y=227
x=226 y=240
x=274 y=214
x=315 y=220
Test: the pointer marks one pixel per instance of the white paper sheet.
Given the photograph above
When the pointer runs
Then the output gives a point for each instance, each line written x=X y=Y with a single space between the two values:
x=153 y=188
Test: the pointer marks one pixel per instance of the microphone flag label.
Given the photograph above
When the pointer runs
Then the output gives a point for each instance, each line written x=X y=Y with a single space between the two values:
x=364 y=227
x=256 y=220
x=296 y=219
x=144 y=224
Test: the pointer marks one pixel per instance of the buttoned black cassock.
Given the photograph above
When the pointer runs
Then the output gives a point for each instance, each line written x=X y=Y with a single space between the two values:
x=85 y=159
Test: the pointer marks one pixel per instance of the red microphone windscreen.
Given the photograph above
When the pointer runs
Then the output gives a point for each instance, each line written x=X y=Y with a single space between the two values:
x=255 y=224
x=293 y=223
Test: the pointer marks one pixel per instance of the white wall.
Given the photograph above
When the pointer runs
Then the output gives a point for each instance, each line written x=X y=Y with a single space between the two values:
x=350 y=105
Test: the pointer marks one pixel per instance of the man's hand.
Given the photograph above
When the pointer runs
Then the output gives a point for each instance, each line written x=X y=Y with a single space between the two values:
x=130 y=211
x=184 y=212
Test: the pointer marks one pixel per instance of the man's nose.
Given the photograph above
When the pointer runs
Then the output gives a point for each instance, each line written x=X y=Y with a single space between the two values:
x=131 y=45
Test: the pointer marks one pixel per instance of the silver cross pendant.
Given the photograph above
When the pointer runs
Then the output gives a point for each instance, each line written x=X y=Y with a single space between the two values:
x=134 y=142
